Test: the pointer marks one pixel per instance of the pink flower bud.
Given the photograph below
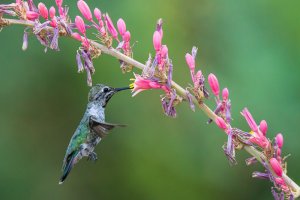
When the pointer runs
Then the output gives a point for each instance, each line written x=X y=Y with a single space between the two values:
x=43 y=10
x=97 y=14
x=279 y=140
x=121 y=26
x=157 y=40
x=225 y=94
x=278 y=152
x=85 y=10
x=53 y=22
x=279 y=181
x=276 y=167
x=61 y=12
x=85 y=43
x=80 y=25
x=190 y=62
x=263 y=127
x=251 y=122
x=164 y=51
x=52 y=12
x=214 y=84
x=110 y=26
x=126 y=46
x=77 y=36
x=103 y=31
x=59 y=3
x=30 y=15
x=126 y=36
x=221 y=123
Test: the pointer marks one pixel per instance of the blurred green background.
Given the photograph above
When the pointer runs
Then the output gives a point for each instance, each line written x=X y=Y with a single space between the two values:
x=252 y=46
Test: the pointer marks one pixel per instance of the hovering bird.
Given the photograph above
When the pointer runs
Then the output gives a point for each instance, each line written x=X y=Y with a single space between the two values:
x=91 y=129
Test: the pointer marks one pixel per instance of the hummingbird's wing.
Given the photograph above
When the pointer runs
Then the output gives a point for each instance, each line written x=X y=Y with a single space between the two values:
x=102 y=128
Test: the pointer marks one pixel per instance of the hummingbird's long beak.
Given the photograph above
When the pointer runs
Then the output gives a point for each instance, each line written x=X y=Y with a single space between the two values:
x=123 y=88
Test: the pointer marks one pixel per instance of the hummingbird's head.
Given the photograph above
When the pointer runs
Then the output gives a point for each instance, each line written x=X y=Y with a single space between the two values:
x=102 y=93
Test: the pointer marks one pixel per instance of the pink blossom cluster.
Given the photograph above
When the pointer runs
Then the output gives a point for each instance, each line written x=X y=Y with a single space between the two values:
x=158 y=74
x=272 y=151
x=51 y=23
x=257 y=136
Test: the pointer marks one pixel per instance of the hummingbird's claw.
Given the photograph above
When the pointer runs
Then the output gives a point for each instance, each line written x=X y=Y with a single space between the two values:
x=93 y=156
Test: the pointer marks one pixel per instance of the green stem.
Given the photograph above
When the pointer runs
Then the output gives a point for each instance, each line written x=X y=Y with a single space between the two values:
x=180 y=90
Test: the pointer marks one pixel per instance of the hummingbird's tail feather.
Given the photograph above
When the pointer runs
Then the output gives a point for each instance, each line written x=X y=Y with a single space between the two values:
x=68 y=166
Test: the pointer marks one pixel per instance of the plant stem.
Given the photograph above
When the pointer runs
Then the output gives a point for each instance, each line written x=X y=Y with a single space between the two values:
x=180 y=90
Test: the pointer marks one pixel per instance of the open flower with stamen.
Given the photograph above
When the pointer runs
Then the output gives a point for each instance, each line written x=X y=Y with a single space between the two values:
x=258 y=137
x=140 y=84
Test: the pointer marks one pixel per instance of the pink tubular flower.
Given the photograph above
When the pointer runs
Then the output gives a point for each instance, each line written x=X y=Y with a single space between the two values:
x=280 y=181
x=53 y=22
x=59 y=3
x=221 y=123
x=30 y=15
x=110 y=26
x=121 y=26
x=279 y=140
x=80 y=25
x=157 y=40
x=278 y=152
x=164 y=51
x=276 y=167
x=225 y=94
x=43 y=10
x=260 y=140
x=77 y=36
x=214 y=84
x=251 y=122
x=97 y=14
x=126 y=36
x=85 y=10
x=263 y=127
x=140 y=84
x=52 y=12
x=190 y=62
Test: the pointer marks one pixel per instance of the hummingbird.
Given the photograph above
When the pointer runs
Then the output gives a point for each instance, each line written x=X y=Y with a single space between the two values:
x=91 y=129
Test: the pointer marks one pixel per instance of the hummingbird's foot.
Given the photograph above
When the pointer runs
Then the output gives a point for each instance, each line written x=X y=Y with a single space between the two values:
x=92 y=156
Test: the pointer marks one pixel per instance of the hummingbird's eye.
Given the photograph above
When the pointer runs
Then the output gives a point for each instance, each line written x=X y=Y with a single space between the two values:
x=105 y=89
